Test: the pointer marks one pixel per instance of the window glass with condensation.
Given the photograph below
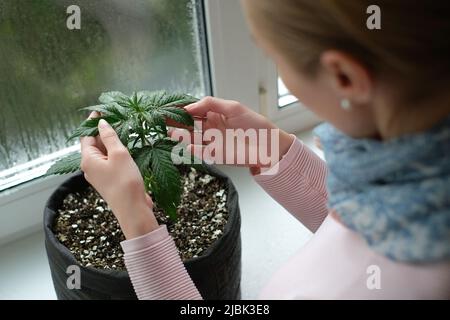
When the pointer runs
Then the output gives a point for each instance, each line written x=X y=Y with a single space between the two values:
x=50 y=67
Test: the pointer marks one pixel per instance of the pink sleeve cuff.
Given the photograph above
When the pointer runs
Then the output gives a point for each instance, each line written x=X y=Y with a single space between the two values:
x=156 y=269
x=293 y=152
x=299 y=161
x=145 y=241
x=298 y=183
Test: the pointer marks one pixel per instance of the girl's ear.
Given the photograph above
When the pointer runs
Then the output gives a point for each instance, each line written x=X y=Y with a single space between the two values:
x=348 y=77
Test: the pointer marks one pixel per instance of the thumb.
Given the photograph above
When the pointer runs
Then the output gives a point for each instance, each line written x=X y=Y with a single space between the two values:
x=149 y=201
x=227 y=108
x=109 y=137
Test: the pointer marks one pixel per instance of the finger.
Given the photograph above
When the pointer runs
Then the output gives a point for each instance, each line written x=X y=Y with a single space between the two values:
x=89 y=153
x=98 y=141
x=93 y=115
x=87 y=142
x=89 y=148
x=149 y=201
x=109 y=137
x=210 y=104
x=99 y=144
x=200 y=123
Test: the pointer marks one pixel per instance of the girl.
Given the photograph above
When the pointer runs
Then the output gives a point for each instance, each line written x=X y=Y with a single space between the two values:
x=381 y=201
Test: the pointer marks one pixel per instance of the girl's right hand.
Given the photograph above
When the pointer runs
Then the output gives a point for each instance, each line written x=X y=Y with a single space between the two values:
x=226 y=117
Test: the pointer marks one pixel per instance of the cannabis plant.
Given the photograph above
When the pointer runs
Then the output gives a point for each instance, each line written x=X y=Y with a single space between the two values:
x=140 y=121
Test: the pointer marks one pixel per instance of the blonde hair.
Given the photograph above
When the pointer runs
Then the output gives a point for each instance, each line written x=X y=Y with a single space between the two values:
x=412 y=49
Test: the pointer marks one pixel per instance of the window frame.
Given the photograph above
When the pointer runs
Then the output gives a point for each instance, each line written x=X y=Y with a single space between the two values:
x=241 y=71
x=237 y=70
x=294 y=117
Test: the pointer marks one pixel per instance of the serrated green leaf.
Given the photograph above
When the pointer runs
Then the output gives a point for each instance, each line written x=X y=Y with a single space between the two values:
x=87 y=128
x=156 y=161
x=144 y=96
x=156 y=120
x=162 y=99
x=145 y=155
x=123 y=131
x=151 y=98
x=111 y=110
x=161 y=160
x=142 y=157
x=176 y=100
x=69 y=164
x=98 y=108
x=178 y=115
x=112 y=96
x=117 y=111
x=167 y=186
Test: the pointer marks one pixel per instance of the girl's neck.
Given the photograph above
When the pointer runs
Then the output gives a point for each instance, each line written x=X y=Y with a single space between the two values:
x=411 y=118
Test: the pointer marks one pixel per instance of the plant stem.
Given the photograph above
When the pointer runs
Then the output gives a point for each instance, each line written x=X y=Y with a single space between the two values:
x=141 y=132
x=143 y=140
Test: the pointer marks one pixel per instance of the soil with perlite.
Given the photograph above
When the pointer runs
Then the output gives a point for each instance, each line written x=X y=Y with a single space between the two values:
x=88 y=228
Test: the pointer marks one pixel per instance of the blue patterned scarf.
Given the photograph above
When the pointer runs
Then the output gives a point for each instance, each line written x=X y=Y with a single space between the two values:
x=396 y=193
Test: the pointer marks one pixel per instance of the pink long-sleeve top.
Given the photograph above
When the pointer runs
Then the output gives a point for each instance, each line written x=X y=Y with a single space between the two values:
x=335 y=264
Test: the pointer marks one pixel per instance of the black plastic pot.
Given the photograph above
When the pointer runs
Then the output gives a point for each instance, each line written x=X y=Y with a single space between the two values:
x=217 y=273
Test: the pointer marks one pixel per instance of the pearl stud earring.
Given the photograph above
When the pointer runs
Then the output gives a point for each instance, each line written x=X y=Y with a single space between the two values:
x=346 y=104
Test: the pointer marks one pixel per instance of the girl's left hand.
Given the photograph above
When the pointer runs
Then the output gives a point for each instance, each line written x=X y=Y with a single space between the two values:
x=110 y=169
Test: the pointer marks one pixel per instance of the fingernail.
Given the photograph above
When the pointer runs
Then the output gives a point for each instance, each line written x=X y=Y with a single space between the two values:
x=103 y=124
x=190 y=106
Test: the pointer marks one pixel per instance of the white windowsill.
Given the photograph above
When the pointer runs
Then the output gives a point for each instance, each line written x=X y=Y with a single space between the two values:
x=33 y=169
x=269 y=237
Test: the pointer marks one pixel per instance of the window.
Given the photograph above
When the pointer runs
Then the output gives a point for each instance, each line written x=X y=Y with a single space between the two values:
x=285 y=98
x=53 y=71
